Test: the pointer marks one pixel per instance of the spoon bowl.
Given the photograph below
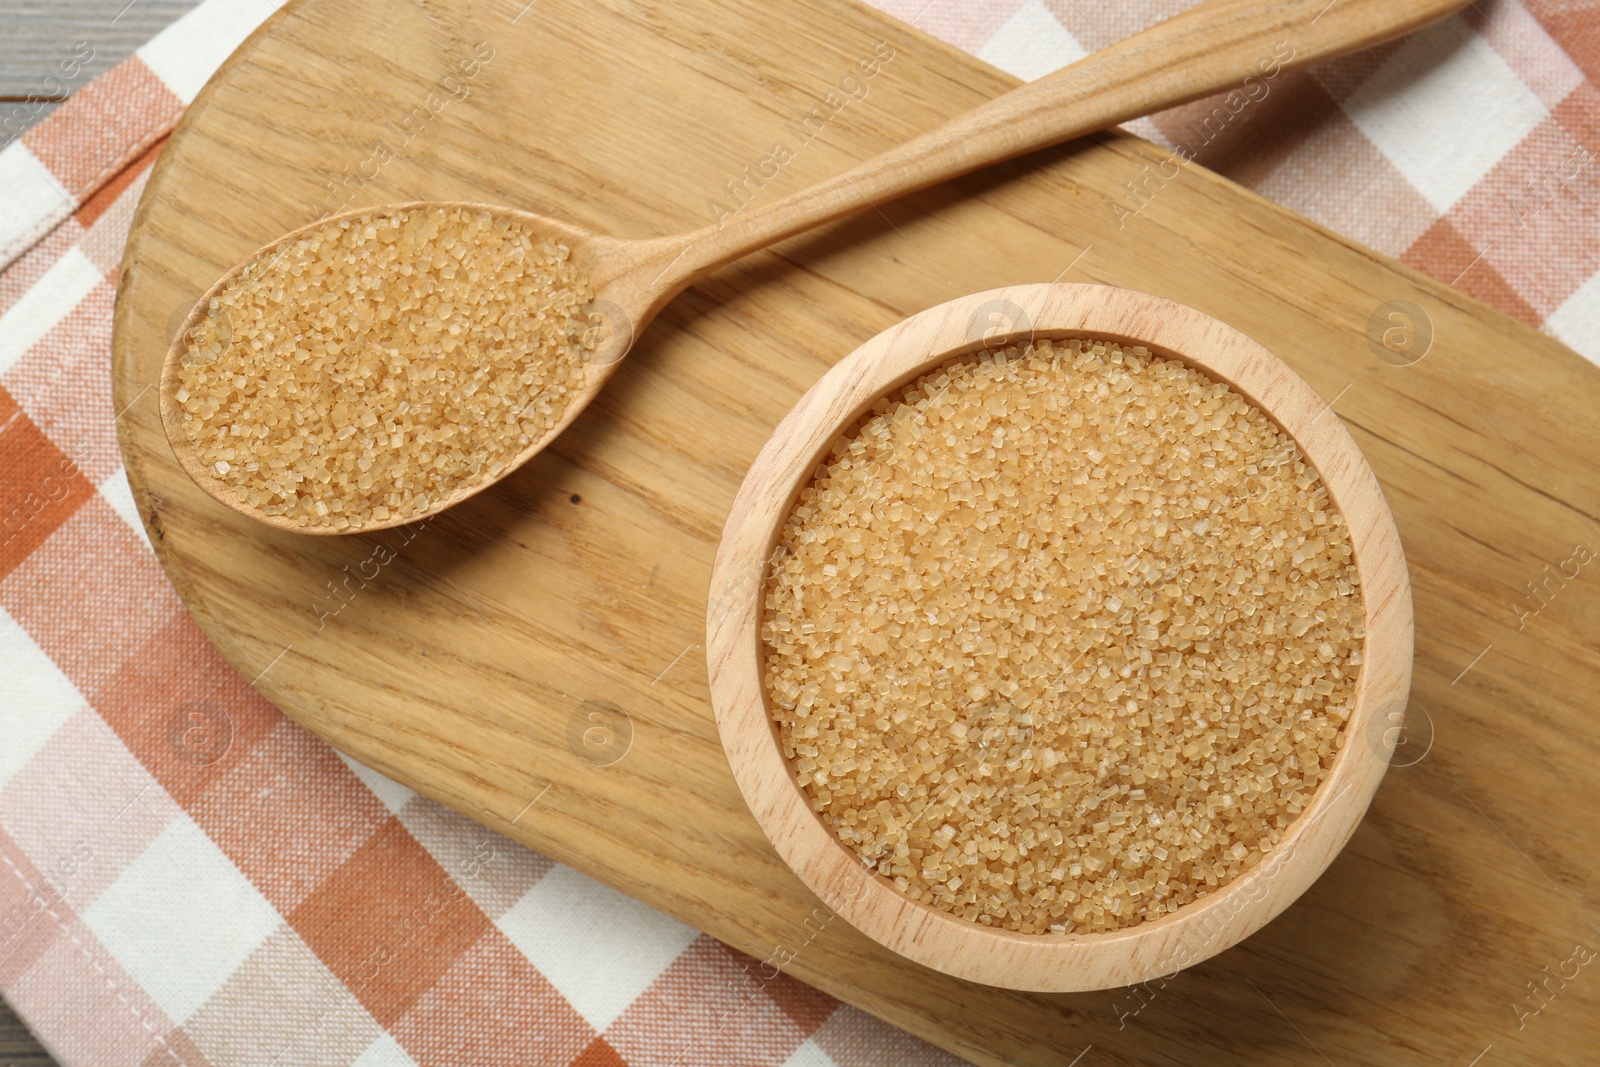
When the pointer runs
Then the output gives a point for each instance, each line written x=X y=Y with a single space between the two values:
x=624 y=305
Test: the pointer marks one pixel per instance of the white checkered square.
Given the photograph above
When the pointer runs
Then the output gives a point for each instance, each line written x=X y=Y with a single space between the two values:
x=600 y=948
x=32 y=196
x=1031 y=44
x=1577 y=320
x=1445 y=108
x=809 y=1054
x=51 y=299
x=384 y=1052
x=35 y=697
x=181 y=918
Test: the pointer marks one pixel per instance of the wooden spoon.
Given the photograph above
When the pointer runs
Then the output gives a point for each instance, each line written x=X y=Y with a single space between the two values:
x=1213 y=46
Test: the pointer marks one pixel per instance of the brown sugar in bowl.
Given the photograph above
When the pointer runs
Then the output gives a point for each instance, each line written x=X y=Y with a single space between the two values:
x=751 y=737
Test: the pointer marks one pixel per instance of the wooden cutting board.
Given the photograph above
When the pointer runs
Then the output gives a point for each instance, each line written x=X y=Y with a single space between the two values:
x=541 y=644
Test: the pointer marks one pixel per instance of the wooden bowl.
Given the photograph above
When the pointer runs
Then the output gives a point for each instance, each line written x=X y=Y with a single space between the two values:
x=870 y=902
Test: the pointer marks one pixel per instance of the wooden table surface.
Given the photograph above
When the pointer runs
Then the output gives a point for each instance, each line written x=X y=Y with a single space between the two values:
x=35 y=37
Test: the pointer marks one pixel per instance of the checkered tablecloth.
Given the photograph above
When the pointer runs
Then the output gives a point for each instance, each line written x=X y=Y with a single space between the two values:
x=180 y=884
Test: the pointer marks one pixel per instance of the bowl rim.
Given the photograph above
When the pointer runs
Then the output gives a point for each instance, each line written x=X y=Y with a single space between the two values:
x=870 y=902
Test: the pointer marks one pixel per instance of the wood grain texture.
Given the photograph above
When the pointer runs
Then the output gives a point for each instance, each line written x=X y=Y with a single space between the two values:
x=18 y=1048
x=737 y=659
x=1206 y=48
x=462 y=667
x=50 y=50
x=1209 y=47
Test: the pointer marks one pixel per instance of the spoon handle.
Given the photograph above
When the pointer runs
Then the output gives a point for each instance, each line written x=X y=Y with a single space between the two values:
x=1213 y=46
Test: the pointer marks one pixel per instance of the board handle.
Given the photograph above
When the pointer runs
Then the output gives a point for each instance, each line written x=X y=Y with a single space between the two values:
x=1216 y=45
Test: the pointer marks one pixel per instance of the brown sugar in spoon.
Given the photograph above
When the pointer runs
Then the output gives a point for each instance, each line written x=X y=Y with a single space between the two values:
x=298 y=394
